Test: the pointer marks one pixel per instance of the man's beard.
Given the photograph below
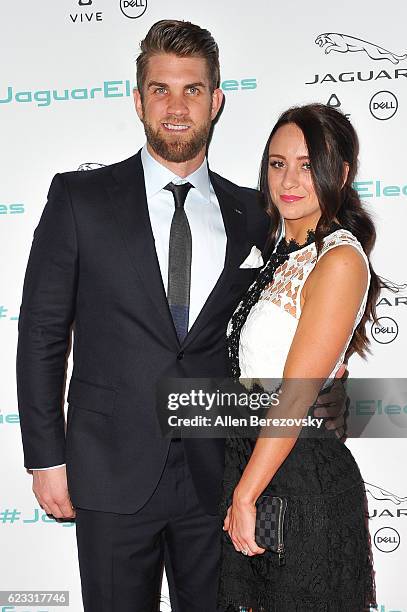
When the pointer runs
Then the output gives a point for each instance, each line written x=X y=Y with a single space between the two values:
x=175 y=149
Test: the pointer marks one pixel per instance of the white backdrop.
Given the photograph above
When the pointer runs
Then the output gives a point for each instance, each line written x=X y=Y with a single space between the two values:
x=269 y=61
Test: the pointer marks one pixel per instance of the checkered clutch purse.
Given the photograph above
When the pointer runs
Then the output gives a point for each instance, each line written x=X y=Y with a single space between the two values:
x=269 y=532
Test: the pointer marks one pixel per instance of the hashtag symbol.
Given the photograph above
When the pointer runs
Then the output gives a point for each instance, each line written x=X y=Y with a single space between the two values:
x=3 y=310
x=9 y=516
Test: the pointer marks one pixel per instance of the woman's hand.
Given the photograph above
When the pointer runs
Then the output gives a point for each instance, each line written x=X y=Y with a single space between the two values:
x=240 y=523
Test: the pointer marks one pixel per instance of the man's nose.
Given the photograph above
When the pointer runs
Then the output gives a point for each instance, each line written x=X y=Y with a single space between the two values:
x=177 y=104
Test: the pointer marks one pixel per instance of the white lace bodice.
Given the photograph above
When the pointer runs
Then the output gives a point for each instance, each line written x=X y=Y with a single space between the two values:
x=267 y=334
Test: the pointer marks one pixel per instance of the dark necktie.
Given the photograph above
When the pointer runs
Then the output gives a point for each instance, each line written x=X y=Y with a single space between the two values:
x=179 y=261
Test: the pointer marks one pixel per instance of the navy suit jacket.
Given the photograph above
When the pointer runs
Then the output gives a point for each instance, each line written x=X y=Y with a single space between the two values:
x=93 y=268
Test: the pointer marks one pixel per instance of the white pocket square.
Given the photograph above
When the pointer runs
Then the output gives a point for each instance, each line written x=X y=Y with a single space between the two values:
x=254 y=259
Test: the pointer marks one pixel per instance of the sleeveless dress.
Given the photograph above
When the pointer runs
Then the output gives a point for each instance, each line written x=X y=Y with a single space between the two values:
x=328 y=561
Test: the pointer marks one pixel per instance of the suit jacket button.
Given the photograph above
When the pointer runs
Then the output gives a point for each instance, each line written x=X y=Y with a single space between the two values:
x=180 y=355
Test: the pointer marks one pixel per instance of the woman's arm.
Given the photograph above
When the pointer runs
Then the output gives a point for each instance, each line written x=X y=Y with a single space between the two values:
x=332 y=297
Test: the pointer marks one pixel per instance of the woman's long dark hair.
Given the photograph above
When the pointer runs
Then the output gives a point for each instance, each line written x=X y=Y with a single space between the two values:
x=331 y=142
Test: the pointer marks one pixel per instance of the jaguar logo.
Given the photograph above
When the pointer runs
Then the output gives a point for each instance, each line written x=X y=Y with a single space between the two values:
x=381 y=494
x=342 y=43
x=395 y=508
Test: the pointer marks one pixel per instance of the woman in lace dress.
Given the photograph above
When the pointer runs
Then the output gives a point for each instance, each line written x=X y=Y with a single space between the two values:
x=303 y=316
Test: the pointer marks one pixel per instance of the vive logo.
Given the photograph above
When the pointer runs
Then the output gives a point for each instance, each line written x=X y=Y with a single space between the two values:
x=343 y=43
x=85 y=17
x=335 y=102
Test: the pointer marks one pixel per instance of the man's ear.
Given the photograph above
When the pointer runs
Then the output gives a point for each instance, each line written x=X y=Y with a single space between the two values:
x=138 y=103
x=217 y=99
x=345 y=173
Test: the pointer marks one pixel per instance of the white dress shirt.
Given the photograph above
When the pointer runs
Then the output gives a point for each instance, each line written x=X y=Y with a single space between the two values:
x=206 y=223
x=205 y=220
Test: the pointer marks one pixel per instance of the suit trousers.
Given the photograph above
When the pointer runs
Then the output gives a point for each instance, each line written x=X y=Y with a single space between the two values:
x=121 y=556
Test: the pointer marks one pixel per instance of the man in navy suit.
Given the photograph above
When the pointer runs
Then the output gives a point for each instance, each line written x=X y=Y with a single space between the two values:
x=102 y=262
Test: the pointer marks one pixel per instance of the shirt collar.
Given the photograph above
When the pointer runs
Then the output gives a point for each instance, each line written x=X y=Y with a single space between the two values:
x=157 y=176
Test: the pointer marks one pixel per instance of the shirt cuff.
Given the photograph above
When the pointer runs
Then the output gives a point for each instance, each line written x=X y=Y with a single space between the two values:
x=51 y=467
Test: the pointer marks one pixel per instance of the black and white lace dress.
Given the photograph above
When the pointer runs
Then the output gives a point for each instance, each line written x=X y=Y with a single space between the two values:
x=328 y=563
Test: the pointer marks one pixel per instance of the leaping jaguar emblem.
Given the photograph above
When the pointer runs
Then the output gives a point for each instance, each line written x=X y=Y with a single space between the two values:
x=342 y=43
x=381 y=494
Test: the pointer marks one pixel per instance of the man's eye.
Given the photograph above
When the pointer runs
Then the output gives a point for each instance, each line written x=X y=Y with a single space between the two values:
x=160 y=90
x=193 y=90
x=307 y=166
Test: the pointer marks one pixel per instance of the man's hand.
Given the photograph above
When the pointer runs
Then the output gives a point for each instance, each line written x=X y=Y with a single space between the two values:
x=334 y=405
x=51 y=490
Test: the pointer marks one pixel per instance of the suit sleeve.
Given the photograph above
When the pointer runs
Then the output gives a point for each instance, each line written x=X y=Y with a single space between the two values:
x=46 y=316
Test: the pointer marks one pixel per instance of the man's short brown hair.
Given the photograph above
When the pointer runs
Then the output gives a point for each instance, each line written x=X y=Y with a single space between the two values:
x=184 y=39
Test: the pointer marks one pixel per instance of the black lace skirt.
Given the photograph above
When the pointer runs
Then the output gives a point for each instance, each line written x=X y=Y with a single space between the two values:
x=328 y=564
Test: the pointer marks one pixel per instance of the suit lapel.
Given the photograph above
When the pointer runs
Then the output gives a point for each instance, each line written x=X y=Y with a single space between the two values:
x=128 y=195
x=234 y=219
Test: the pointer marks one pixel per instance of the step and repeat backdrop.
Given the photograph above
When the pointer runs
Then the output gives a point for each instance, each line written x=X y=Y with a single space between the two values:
x=66 y=79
